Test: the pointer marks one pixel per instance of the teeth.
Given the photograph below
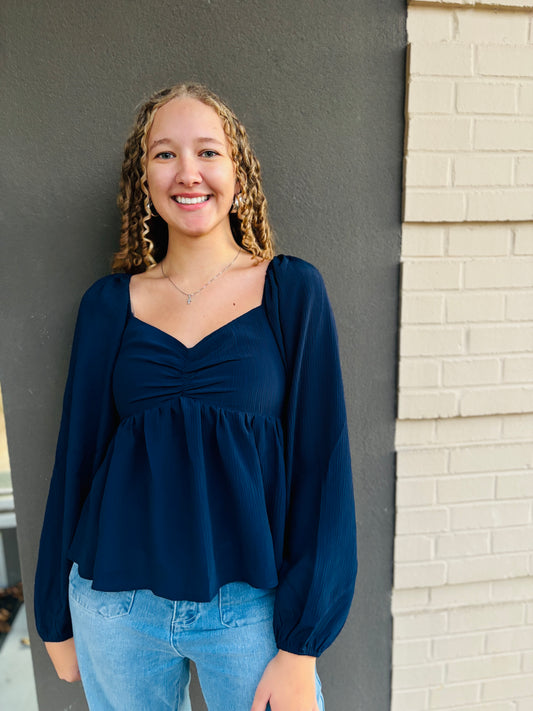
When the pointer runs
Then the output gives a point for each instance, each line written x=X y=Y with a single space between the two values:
x=190 y=201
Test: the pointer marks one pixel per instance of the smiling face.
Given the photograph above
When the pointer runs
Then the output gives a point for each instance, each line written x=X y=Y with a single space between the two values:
x=190 y=173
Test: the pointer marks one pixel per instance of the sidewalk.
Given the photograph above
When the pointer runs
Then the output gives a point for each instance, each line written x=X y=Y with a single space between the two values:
x=17 y=685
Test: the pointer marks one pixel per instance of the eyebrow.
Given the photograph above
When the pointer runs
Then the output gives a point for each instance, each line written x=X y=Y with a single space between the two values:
x=201 y=139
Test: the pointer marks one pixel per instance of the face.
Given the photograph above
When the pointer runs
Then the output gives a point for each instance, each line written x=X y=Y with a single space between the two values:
x=191 y=177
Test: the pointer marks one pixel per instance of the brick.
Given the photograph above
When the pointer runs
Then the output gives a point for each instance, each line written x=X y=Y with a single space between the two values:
x=505 y=61
x=517 y=589
x=420 y=404
x=459 y=489
x=409 y=432
x=422 y=308
x=507 y=688
x=503 y=204
x=467 y=429
x=458 y=545
x=411 y=652
x=474 y=97
x=479 y=240
x=421 y=462
x=476 y=516
x=450 y=596
x=482 y=371
x=485 y=617
x=442 y=59
x=440 y=133
x=434 y=206
x=517 y=426
x=514 y=486
x=523 y=243
x=492 y=28
x=434 y=274
x=431 y=96
x=497 y=273
x=409 y=700
x=422 y=240
x=417 y=625
x=419 y=676
x=427 y=169
x=438 y=340
x=483 y=668
x=408 y=549
x=507 y=338
x=517 y=538
x=524 y=173
x=407 y=600
x=419 y=575
x=508 y=640
x=503 y=134
x=520 y=306
x=457 y=646
x=452 y=695
x=525 y=98
x=474 y=170
x=434 y=24
x=498 y=400
x=492 y=458
x=518 y=370
x=525 y=704
x=413 y=521
x=528 y=666
x=416 y=372
x=487 y=568
x=415 y=492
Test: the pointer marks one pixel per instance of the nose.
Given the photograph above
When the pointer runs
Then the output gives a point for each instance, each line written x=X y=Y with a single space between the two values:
x=188 y=171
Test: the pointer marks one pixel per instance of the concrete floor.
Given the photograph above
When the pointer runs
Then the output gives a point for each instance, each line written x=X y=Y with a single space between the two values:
x=17 y=685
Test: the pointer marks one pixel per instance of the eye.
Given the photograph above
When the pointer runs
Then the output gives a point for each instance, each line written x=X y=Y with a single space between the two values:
x=208 y=153
x=164 y=155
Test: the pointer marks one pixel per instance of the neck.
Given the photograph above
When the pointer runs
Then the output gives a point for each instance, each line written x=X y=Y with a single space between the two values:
x=195 y=258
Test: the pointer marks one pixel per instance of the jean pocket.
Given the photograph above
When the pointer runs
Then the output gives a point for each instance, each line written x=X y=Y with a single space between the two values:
x=98 y=602
x=241 y=604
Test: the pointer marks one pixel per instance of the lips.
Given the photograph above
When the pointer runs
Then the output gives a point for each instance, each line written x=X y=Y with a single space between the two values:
x=182 y=200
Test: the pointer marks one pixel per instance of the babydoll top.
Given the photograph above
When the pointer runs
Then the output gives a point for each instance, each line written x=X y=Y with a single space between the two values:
x=182 y=469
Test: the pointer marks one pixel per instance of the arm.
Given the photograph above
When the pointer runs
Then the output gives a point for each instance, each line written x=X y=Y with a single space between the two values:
x=317 y=575
x=87 y=424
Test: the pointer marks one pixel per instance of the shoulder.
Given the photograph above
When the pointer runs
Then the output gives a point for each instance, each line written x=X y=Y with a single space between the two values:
x=108 y=294
x=297 y=279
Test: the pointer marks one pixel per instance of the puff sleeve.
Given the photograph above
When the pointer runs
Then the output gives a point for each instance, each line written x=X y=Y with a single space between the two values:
x=318 y=571
x=88 y=421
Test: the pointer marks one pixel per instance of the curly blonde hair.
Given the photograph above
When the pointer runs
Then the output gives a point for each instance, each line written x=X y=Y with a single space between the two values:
x=144 y=235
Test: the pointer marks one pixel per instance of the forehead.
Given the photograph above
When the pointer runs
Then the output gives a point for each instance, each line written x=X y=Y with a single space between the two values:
x=188 y=117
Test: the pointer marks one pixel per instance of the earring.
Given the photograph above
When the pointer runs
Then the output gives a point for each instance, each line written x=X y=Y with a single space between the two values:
x=237 y=201
x=151 y=210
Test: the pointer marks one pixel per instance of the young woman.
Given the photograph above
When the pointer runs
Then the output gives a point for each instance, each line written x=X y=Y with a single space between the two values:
x=201 y=504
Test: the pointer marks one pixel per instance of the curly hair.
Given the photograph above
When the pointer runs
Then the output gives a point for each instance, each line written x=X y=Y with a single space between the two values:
x=144 y=235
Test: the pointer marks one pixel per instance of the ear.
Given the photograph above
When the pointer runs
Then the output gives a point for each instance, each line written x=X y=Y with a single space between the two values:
x=237 y=187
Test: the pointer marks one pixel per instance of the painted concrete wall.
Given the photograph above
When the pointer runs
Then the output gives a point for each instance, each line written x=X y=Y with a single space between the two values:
x=320 y=87
x=463 y=597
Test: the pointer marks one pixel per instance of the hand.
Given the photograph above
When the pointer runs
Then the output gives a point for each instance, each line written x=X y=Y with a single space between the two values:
x=288 y=683
x=64 y=659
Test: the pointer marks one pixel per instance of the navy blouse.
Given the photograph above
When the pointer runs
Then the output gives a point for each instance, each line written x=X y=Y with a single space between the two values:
x=182 y=469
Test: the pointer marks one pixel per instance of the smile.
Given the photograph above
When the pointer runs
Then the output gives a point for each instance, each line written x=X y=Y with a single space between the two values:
x=190 y=201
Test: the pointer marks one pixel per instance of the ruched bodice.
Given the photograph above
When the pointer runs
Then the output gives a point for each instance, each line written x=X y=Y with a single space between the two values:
x=196 y=463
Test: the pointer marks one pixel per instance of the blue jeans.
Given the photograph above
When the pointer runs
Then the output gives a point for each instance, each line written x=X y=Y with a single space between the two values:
x=134 y=648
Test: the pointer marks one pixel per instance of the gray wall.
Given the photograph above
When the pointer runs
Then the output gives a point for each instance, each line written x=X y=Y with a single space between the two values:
x=320 y=87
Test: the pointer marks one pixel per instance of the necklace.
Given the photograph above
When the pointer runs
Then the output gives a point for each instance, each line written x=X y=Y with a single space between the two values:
x=189 y=296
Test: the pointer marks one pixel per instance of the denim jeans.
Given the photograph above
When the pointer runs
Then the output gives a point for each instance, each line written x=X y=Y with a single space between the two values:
x=134 y=648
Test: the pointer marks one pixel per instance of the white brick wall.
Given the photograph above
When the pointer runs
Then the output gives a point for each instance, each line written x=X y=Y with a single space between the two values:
x=463 y=569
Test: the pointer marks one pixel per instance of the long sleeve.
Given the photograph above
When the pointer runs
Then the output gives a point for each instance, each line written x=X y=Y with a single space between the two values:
x=87 y=423
x=317 y=575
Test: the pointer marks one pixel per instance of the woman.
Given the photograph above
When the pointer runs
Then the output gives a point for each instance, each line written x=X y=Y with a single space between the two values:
x=201 y=504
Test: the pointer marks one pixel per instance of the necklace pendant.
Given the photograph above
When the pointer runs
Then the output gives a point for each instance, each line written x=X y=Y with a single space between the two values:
x=189 y=299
